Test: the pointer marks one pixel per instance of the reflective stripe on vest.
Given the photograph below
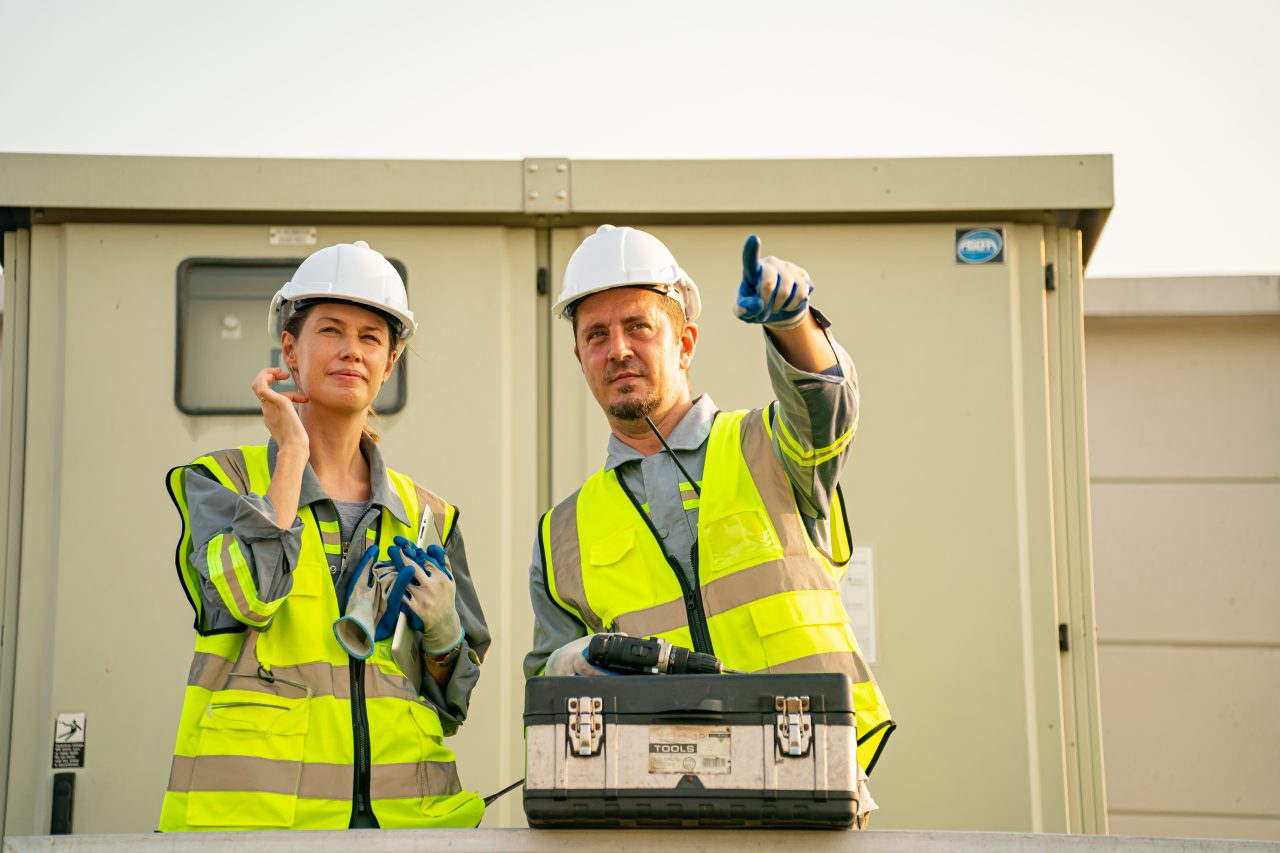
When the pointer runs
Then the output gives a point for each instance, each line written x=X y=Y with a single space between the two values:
x=265 y=739
x=771 y=597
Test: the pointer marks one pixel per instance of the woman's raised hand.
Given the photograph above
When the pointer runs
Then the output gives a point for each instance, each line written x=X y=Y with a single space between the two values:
x=277 y=409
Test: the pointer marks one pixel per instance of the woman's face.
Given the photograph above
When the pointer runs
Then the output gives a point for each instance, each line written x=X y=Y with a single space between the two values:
x=341 y=356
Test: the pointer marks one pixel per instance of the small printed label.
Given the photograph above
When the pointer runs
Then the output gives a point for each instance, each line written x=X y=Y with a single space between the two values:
x=291 y=236
x=858 y=594
x=689 y=749
x=980 y=245
x=68 y=741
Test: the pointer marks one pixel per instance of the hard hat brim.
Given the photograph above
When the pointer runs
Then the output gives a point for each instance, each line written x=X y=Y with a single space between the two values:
x=683 y=291
x=282 y=307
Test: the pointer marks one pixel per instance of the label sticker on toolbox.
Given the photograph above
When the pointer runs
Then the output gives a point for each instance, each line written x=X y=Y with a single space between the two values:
x=689 y=749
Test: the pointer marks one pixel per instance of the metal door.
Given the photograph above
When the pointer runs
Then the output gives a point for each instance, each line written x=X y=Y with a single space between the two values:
x=950 y=486
x=104 y=628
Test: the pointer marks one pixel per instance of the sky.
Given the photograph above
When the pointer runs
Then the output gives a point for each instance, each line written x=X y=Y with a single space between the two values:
x=1185 y=95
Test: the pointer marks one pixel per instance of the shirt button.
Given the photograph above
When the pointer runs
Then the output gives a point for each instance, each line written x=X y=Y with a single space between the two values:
x=664 y=533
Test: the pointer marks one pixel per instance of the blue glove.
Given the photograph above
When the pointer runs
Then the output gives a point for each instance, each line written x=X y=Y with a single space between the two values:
x=395 y=595
x=433 y=554
x=773 y=291
x=430 y=603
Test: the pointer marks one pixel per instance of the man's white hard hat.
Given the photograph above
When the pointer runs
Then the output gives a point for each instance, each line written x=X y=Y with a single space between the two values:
x=347 y=272
x=625 y=257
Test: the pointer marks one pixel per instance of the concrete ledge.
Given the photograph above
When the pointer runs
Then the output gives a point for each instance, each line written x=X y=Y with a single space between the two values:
x=1190 y=296
x=625 y=841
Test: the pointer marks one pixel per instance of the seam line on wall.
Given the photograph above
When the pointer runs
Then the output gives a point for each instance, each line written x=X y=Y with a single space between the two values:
x=1193 y=644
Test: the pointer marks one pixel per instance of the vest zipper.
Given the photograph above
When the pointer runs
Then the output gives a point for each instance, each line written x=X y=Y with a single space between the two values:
x=695 y=613
x=361 y=802
x=698 y=628
x=361 y=805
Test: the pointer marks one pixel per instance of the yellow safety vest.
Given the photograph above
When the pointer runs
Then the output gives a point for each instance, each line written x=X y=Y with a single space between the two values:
x=767 y=600
x=277 y=718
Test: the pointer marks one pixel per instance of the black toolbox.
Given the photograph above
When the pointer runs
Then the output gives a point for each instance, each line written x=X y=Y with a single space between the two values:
x=691 y=751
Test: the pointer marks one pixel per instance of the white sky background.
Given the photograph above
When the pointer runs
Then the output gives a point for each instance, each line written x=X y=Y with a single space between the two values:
x=1186 y=95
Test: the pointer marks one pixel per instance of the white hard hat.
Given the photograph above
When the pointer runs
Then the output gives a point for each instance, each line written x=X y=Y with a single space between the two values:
x=347 y=272
x=624 y=257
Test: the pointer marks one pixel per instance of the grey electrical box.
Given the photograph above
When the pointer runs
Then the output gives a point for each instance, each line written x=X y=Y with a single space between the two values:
x=222 y=335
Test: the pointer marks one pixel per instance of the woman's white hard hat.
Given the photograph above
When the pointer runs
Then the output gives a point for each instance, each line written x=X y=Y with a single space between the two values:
x=625 y=257
x=347 y=272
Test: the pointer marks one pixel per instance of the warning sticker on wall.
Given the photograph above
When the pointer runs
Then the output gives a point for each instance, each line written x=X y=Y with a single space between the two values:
x=689 y=749
x=68 y=741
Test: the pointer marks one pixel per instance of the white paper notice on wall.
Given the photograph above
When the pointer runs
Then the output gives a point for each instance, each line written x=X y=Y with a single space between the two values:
x=68 y=741
x=858 y=592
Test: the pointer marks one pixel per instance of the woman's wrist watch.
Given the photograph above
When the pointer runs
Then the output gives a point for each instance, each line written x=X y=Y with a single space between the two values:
x=445 y=658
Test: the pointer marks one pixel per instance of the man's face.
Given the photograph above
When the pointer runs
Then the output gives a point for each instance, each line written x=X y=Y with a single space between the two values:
x=632 y=358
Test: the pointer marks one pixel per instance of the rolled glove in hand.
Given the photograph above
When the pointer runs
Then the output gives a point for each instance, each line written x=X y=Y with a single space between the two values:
x=571 y=659
x=773 y=291
x=358 y=629
x=430 y=595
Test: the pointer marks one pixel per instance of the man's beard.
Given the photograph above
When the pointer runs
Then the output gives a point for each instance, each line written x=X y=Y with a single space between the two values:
x=634 y=410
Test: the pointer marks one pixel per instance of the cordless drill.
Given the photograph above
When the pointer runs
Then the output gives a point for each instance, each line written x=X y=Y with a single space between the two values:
x=654 y=656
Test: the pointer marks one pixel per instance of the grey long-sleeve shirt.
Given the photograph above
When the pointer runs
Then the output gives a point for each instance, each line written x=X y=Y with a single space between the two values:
x=813 y=427
x=272 y=553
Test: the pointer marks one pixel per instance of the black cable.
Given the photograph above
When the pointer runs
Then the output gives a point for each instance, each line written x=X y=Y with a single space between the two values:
x=489 y=799
x=692 y=482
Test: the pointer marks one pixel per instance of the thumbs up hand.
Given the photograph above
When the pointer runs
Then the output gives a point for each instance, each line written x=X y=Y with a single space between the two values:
x=773 y=291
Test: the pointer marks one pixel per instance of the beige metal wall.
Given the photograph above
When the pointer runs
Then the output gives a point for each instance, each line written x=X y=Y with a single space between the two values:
x=967 y=480
x=951 y=484
x=1184 y=407
x=104 y=627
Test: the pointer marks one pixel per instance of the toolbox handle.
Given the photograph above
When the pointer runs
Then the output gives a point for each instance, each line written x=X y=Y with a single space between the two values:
x=705 y=708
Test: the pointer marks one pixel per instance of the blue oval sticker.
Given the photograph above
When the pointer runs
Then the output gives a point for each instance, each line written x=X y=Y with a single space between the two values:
x=979 y=245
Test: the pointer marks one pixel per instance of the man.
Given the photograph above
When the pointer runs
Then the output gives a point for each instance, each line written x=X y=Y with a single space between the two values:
x=732 y=542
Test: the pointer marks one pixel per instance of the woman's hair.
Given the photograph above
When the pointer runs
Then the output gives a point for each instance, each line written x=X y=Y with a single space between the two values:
x=299 y=317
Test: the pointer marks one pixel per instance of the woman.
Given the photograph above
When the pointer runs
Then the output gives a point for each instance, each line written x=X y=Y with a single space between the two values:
x=281 y=727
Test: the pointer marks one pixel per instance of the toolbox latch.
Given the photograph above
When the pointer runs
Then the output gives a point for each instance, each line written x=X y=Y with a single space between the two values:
x=586 y=724
x=795 y=726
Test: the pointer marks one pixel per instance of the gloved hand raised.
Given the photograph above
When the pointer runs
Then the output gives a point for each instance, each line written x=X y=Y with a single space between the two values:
x=430 y=594
x=773 y=291
x=571 y=659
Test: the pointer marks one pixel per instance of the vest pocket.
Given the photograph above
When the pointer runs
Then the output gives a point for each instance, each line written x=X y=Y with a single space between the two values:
x=739 y=539
x=463 y=810
x=441 y=791
x=248 y=763
x=616 y=577
x=308 y=577
x=794 y=625
x=444 y=803
x=612 y=548
x=430 y=739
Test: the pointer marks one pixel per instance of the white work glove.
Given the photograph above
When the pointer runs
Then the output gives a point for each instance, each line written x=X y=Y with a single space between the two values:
x=773 y=291
x=430 y=595
x=571 y=659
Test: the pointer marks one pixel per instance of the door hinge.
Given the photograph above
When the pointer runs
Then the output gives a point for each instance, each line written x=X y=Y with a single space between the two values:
x=1064 y=638
x=1050 y=282
x=542 y=281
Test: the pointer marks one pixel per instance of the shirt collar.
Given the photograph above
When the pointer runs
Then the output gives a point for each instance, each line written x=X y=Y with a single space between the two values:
x=691 y=433
x=381 y=492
